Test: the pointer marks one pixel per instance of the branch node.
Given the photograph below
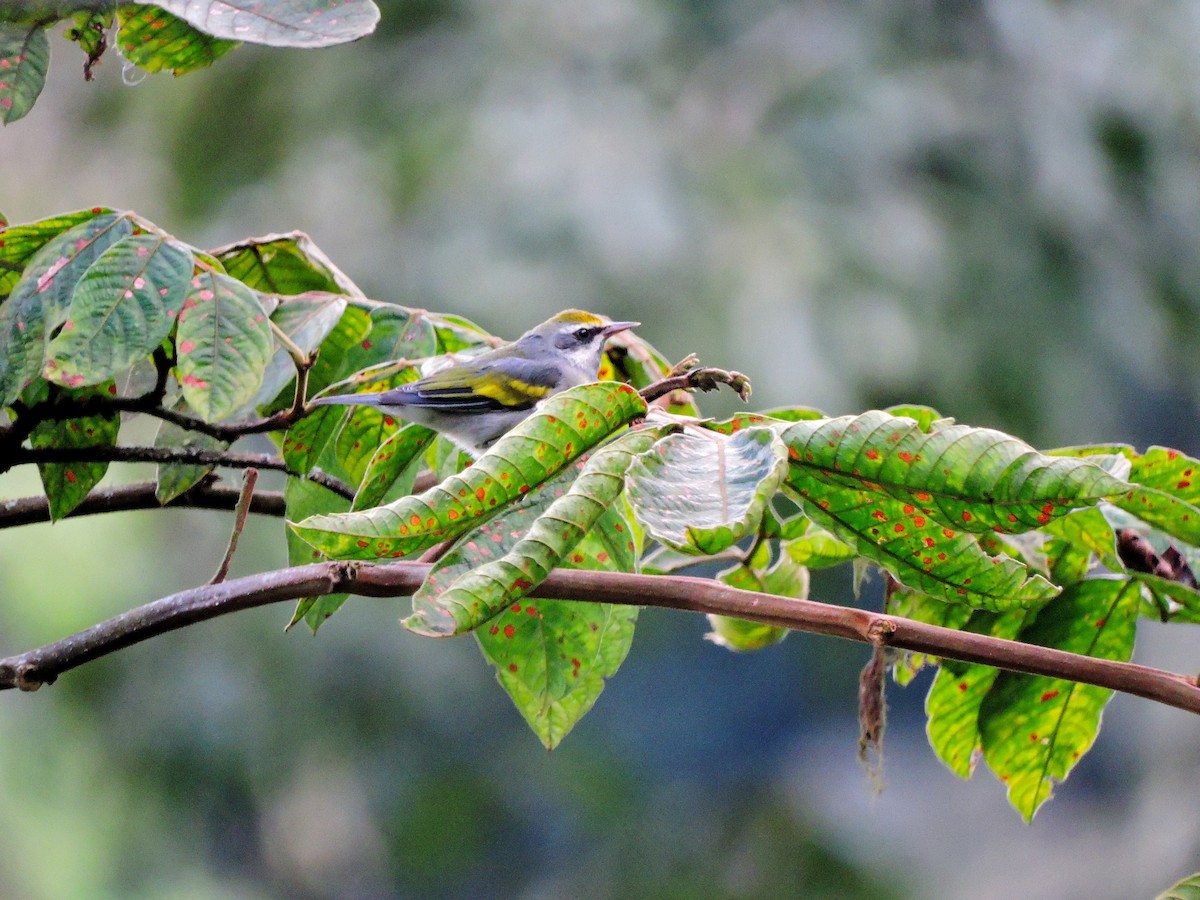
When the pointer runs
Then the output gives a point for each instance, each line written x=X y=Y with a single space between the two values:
x=880 y=631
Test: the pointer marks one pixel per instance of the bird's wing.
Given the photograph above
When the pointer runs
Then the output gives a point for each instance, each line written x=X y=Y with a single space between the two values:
x=478 y=387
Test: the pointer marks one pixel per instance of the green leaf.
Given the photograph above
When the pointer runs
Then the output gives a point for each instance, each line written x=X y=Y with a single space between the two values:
x=18 y=243
x=352 y=328
x=123 y=307
x=90 y=31
x=1091 y=531
x=970 y=479
x=393 y=468
x=565 y=426
x=785 y=578
x=223 y=345
x=952 y=704
x=24 y=60
x=1034 y=729
x=39 y=301
x=155 y=40
x=285 y=264
x=307 y=319
x=396 y=333
x=174 y=479
x=816 y=548
x=278 y=23
x=303 y=498
x=702 y=492
x=900 y=601
x=441 y=609
x=1187 y=889
x=1164 y=511
x=67 y=484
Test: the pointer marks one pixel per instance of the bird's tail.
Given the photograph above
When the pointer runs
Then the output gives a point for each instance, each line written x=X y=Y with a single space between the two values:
x=348 y=400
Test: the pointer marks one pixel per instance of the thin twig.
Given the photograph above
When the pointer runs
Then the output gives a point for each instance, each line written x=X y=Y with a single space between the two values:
x=126 y=497
x=30 y=670
x=697 y=379
x=249 y=479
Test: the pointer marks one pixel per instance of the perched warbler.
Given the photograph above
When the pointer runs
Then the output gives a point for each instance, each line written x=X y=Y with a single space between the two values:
x=477 y=401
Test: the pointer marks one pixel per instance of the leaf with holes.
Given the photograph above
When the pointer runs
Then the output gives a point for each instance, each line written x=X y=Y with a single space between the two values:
x=392 y=470
x=278 y=23
x=155 y=40
x=24 y=59
x=971 y=479
x=958 y=689
x=222 y=345
x=39 y=301
x=566 y=425
x=703 y=492
x=67 y=484
x=475 y=596
x=1034 y=729
x=306 y=319
x=303 y=498
x=18 y=243
x=122 y=308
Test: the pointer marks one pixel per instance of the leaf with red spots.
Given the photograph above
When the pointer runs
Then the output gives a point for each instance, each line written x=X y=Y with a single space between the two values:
x=970 y=479
x=278 y=23
x=155 y=40
x=18 y=243
x=222 y=345
x=303 y=498
x=67 y=484
x=307 y=320
x=284 y=264
x=477 y=595
x=122 y=308
x=566 y=425
x=1033 y=728
x=700 y=492
x=396 y=333
x=785 y=579
x=393 y=467
x=916 y=549
x=174 y=479
x=38 y=302
x=1166 y=492
x=24 y=59
x=952 y=704
x=1091 y=531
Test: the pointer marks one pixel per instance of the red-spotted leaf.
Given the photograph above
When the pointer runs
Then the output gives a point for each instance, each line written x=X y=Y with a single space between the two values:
x=18 y=243
x=1166 y=492
x=393 y=468
x=123 y=307
x=566 y=425
x=303 y=498
x=155 y=40
x=66 y=484
x=38 y=302
x=701 y=492
x=174 y=479
x=952 y=704
x=477 y=595
x=306 y=319
x=1091 y=531
x=396 y=333
x=971 y=479
x=223 y=345
x=278 y=23
x=917 y=550
x=1033 y=728
x=285 y=264
x=24 y=59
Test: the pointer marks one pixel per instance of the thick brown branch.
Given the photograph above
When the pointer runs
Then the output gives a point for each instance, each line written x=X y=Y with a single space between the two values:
x=30 y=670
x=30 y=510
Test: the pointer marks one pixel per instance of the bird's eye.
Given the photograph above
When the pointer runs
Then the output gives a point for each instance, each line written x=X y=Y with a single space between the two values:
x=583 y=334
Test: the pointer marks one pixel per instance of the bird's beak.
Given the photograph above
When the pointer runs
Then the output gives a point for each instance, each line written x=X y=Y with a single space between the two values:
x=617 y=327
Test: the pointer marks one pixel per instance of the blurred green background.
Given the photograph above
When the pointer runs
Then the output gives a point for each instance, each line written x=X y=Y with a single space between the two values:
x=992 y=208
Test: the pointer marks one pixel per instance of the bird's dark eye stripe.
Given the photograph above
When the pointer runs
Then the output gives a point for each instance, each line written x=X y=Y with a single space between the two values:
x=585 y=333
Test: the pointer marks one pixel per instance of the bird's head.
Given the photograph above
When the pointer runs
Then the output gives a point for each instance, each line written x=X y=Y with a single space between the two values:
x=577 y=337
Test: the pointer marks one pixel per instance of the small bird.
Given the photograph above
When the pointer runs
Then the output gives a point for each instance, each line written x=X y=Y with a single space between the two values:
x=477 y=401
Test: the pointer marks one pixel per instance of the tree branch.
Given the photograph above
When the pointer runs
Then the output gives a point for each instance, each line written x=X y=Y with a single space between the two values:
x=31 y=510
x=29 y=671
x=190 y=455
x=696 y=378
